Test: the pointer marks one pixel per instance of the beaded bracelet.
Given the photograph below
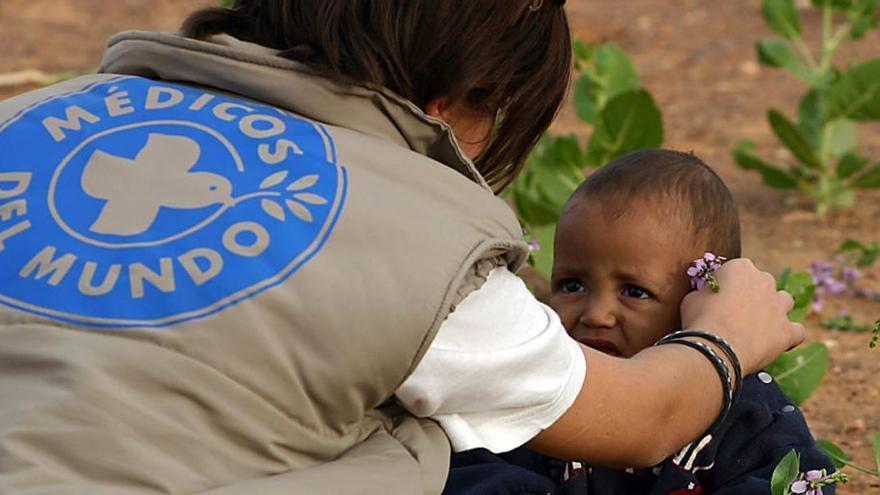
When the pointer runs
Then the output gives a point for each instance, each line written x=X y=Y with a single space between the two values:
x=720 y=342
x=720 y=367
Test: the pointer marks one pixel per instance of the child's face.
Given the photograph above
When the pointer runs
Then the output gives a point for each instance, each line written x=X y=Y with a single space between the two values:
x=617 y=283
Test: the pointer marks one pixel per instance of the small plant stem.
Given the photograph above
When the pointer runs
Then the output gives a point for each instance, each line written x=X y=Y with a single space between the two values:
x=806 y=54
x=863 y=469
x=832 y=45
x=823 y=191
x=827 y=22
x=826 y=171
x=713 y=283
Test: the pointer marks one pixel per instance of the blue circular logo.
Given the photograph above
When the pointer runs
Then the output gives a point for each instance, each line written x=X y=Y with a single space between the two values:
x=138 y=203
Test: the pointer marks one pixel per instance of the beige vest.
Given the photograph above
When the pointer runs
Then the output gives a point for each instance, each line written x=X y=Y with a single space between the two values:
x=216 y=268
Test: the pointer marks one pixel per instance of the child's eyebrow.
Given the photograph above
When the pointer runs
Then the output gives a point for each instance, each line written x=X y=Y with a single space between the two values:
x=640 y=278
x=570 y=268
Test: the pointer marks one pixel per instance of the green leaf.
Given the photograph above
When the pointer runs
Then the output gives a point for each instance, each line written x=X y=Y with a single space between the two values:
x=586 y=99
x=863 y=16
x=774 y=176
x=841 y=136
x=554 y=189
x=867 y=252
x=875 y=443
x=615 y=71
x=553 y=171
x=850 y=164
x=543 y=257
x=785 y=473
x=811 y=118
x=775 y=52
x=530 y=206
x=630 y=122
x=532 y=211
x=563 y=154
x=844 y=323
x=782 y=17
x=837 y=194
x=783 y=279
x=609 y=74
x=837 y=455
x=583 y=54
x=793 y=138
x=870 y=179
x=800 y=372
x=856 y=94
x=802 y=288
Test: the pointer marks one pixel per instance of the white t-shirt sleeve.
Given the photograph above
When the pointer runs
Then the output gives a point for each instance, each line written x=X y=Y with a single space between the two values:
x=500 y=370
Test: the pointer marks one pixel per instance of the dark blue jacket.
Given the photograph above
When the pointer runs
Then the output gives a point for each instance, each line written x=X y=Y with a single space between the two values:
x=738 y=458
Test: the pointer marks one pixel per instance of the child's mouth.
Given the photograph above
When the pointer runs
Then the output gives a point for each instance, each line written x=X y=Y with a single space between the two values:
x=602 y=346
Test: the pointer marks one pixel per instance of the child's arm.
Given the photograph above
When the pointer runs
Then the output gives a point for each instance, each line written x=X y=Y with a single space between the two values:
x=763 y=427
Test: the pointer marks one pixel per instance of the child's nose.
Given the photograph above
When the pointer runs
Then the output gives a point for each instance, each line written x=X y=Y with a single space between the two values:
x=598 y=312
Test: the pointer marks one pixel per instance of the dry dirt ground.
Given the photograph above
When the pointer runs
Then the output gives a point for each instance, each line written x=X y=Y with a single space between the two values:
x=697 y=58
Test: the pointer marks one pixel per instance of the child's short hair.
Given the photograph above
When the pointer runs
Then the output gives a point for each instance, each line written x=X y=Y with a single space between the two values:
x=680 y=180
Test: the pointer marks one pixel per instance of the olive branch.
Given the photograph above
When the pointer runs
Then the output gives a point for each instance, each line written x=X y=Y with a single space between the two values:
x=299 y=201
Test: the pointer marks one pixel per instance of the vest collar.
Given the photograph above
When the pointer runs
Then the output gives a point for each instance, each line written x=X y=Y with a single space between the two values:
x=258 y=73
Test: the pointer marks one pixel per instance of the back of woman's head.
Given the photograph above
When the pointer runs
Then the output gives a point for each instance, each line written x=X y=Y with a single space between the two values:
x=512 y=57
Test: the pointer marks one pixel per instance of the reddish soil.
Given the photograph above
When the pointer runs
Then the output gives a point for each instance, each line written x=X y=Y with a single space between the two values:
x=697 y=58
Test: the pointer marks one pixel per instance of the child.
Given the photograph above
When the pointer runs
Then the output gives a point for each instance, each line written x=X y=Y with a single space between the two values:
x=623 y=245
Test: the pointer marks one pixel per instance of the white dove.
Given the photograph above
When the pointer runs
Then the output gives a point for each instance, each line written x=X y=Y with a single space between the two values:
x=158 y=177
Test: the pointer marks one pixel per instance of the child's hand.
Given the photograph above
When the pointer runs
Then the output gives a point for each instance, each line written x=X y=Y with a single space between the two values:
x=749 y=313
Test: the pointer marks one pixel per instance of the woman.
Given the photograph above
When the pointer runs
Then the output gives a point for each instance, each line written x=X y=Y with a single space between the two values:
x=232 y=256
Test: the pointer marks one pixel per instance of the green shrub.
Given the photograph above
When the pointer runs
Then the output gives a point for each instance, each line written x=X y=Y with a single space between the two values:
x=624 y=118
x=827 y=164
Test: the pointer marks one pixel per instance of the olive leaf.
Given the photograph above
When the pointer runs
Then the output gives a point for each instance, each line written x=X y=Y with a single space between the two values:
x=273 y=180
x=312 y=199
x=299 y=210
x=302 y=183
x=273 y=209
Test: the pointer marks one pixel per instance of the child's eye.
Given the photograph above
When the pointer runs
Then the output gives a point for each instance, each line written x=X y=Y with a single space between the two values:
x=570 y=285
x=636 y=292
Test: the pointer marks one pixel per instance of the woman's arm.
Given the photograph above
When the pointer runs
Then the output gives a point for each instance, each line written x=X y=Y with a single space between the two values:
x=637 y=412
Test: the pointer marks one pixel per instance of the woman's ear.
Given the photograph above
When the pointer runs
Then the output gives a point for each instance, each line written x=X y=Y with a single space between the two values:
x=437 y=108
x=471 y=128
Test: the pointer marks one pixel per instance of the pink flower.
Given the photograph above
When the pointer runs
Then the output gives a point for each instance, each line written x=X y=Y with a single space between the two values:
x=811 y=482
x=702 y=271
x=534 y=245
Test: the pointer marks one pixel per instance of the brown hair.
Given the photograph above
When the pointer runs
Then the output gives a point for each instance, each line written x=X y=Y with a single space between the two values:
x=507 y=56
x=681 y=179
